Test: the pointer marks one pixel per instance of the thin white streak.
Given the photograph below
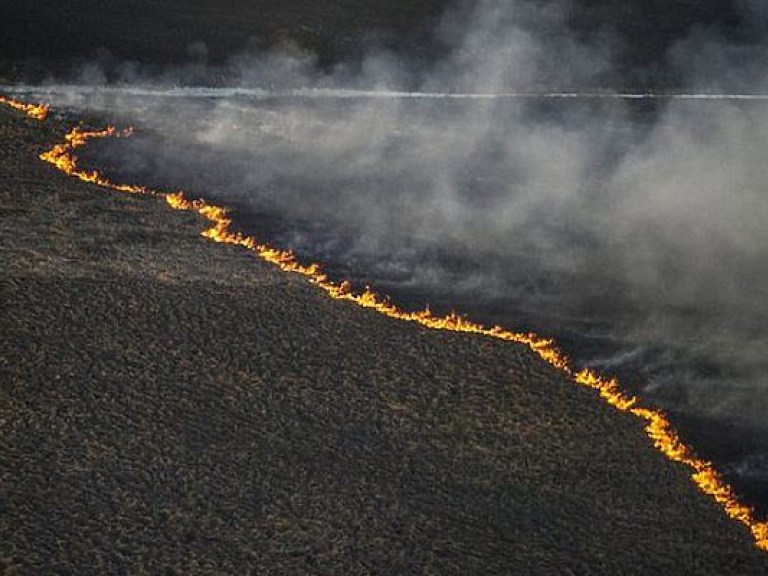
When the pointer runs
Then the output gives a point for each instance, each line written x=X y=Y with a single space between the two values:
x=341 y=93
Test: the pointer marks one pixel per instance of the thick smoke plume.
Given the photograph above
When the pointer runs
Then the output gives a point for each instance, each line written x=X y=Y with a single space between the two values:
x=638 y=226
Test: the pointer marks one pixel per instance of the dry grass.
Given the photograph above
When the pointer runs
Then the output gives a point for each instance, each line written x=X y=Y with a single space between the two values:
x=173 y=406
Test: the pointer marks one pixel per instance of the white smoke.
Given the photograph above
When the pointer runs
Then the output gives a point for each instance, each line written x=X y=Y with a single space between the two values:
x=508 y=172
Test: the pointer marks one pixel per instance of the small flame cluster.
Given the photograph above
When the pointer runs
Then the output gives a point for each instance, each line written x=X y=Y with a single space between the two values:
x=657 y=426
x=63 y=158
x=36 y=111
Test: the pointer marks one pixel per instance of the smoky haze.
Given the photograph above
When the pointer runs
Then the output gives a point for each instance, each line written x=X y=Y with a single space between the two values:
x=636 y=230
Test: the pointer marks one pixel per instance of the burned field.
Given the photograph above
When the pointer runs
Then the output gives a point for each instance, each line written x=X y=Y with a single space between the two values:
x=171 y=404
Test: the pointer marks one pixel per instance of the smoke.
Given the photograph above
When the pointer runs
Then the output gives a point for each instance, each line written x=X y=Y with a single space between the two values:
x=638 y=227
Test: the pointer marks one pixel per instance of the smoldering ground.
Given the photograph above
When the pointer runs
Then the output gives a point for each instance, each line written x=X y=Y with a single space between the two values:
x=633 y=230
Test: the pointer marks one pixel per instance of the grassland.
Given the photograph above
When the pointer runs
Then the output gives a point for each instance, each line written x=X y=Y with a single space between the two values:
x=170 y=406
x=173 y=406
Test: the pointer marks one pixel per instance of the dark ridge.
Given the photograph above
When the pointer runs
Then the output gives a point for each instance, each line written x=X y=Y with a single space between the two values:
x=39 y=38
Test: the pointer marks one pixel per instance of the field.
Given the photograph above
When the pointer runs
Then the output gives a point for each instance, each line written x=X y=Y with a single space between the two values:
x=171 y=404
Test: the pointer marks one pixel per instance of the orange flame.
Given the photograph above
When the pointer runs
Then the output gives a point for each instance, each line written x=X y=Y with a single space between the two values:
x=657 y=426
x=63 y=158
x=36 y=111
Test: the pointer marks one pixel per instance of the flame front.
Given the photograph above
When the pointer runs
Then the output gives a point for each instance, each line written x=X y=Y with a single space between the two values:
x=657 y=426
x=62 y=157
x=36 y=111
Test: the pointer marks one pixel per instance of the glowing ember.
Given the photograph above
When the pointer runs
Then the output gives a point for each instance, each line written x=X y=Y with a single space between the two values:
x=657 y=425
x=36 y=111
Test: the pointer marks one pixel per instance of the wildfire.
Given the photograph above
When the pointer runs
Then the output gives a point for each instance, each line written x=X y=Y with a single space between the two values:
x=63 y=158
x=657 y=426
x=36 y=111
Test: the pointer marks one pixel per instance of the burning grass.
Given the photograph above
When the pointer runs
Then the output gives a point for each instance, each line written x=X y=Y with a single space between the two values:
x=657 y=426
x=36 y=111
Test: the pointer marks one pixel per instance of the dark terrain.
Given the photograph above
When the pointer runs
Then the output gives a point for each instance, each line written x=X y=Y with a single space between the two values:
x=171 y=405
x=40 y=37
